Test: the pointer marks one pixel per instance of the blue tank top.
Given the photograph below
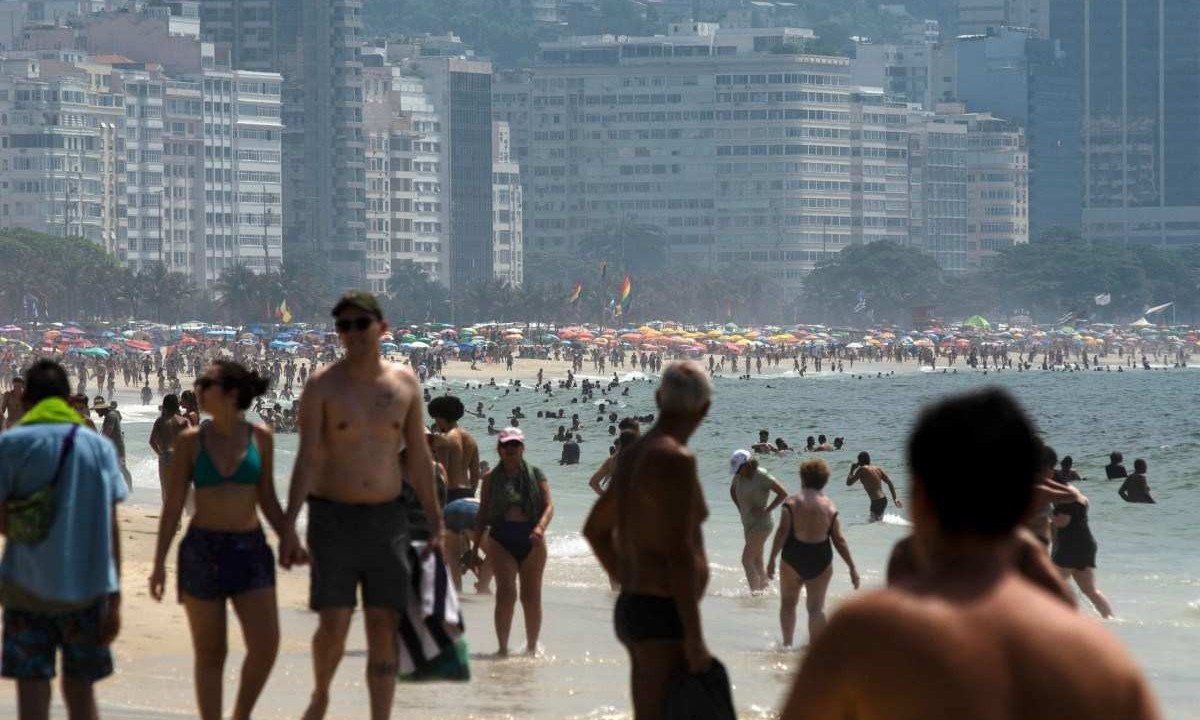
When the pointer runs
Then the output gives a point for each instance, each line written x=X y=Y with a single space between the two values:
x=205 y=473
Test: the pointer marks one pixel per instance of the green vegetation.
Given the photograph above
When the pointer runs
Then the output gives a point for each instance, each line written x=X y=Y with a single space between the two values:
x=1048 y=279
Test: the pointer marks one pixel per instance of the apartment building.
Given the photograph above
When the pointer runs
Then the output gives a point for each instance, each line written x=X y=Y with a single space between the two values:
x=997 y=187
x=508 y=234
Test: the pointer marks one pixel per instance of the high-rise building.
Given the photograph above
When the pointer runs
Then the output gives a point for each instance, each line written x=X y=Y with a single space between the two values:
x=62 y=153
x=324 y=163
x=1034 y=83
x=913 y=72
x=997 y=187
x=418 y=153
x=984 y=17
x=246 y=28
x=735 y=146
x=879 y=207
x=1141 y=116
x=938 y=194
x=508 y=235
x=461 y=93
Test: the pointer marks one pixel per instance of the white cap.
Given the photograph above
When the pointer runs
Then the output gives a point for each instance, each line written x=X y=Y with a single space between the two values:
x=738 y=459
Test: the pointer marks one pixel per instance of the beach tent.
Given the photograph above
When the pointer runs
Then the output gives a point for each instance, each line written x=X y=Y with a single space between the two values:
x=978 y=322
x=1141 y=323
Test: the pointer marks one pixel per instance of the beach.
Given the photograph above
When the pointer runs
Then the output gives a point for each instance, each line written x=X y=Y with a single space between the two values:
x=1147 y=566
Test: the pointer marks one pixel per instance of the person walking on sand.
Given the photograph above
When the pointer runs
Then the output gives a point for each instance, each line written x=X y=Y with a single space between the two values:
x=163 y=434
x=60 y=574
x=110 y=427
x=657 y=557
x=808 y=533
x=355 y=415
x=224 y=558
x=515 y=508
x=873 y=478
x=750 y=490
x=978 y=640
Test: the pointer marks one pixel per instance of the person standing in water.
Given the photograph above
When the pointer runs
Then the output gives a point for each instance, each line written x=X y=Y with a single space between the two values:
x=872 y=478
x=977 y=639
x=1074 y=550
x=458 y=452
x=657 y=558
x=166 y=429
x=1114 y=470
x=224 y=558
x=808 y=532
x=355 y=415
x=515 y=507
x=1136 y=489
x=750 y=490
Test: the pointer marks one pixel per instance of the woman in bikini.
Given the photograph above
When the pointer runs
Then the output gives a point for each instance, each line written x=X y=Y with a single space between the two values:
x=515 y=507
x=224 y=557
x=808 y=532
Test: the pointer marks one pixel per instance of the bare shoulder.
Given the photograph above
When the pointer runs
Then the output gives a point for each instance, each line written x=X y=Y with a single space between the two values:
x=262 y=433
x=322 y=377
x=187 y=439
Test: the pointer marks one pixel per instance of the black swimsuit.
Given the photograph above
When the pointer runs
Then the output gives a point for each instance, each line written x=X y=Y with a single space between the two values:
x=1074 y=546
x=809 y=560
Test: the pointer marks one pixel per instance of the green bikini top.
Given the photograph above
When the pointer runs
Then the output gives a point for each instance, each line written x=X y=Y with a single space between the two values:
x=205 y=473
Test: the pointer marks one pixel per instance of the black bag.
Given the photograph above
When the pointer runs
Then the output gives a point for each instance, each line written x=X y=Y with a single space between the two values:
x=704 y=696
x=29 y=519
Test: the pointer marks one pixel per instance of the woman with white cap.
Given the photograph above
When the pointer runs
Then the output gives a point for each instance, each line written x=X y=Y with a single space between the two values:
x=751 y=492
x=515 y=507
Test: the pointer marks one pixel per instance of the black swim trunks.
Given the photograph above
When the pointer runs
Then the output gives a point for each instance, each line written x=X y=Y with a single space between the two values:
x=220 y=565
x=878 y=505
x=639 y=618
x=354 y=545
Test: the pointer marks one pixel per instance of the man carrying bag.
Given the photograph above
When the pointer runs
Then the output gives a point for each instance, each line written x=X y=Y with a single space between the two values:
x=59 y=577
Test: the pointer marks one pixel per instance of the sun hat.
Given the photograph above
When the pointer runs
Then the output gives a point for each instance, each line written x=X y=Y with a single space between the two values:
x=509 y=434
x=738 y=459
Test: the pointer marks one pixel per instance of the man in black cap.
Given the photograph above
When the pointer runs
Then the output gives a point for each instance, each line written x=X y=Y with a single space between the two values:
x=355 y=416
x=110 y=428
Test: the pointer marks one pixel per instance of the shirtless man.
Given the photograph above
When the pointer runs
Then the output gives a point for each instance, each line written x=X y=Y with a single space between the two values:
x=977 y=638
x=356 y=415
x=458 y=452
x=631 y=430
x=13 y=408
x=873 y=478
x=646 y=532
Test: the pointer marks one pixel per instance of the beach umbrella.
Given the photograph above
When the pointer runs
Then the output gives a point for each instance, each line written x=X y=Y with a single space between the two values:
x=94 y=352
x=141 y=345
x=418 y=345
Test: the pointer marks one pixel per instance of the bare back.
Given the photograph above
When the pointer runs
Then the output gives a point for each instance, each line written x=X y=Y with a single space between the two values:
x=358 y=424
x=812 y=515
x=1030 y=657
x=871 y=477
x=658 y=502
x=457 y=450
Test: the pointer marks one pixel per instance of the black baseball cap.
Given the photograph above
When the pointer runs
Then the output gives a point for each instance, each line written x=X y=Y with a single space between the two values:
x=360 y=299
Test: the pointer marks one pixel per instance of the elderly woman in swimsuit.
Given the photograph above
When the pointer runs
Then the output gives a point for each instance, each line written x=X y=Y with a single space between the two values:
x=224 y=557
x=808 y=532
x=515 y=507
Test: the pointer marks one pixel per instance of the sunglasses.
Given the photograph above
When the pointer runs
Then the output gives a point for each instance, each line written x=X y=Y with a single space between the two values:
x=512 y=444
x=204 y=383
x=359 y=324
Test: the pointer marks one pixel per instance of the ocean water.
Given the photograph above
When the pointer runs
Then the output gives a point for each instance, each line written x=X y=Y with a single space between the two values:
x=1148 y=565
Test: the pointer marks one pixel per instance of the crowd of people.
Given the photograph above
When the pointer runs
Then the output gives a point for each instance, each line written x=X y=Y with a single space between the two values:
x=973 y=577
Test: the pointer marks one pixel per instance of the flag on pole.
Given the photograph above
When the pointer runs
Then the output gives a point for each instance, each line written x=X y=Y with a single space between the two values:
x=575 y=293
x=862 y=302
x=626 y=291
x=1103 y=299
x=284 y=313
x=1158 y=308
x=603 y=268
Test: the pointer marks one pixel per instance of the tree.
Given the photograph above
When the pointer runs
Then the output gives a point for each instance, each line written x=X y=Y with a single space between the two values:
x=892 y=278
x=414 y=297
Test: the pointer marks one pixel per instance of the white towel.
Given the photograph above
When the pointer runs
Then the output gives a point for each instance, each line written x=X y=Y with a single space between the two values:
x=432 y=622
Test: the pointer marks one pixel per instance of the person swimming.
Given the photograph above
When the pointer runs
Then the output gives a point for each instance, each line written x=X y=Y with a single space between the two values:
x=1136 y=489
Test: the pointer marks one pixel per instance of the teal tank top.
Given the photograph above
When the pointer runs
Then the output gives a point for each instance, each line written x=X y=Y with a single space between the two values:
x=205 y=473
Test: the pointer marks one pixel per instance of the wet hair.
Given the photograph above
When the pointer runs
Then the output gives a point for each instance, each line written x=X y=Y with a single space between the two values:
x=814 y=473
x=1049 y=456
x=683 y=389
x=1139 y=465
x=763 y=435
x=1067 y=462
x=990 y=432
x=447 y=407
x=626 y=438
x=809 y=440
x=170 y=404
x=235 y=376
x=1116 y=458
x=45 y=379
x=781 y=444
x=838 y=442
x=628 y=423
x=821 y=439
x=864 y=458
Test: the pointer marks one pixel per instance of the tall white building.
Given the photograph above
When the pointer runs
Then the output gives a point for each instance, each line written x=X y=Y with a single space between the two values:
x=738 y=147
x=62 y=153
x=508 y=244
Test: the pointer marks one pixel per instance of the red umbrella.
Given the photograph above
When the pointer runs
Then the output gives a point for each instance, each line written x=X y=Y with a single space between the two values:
x=139 y=345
